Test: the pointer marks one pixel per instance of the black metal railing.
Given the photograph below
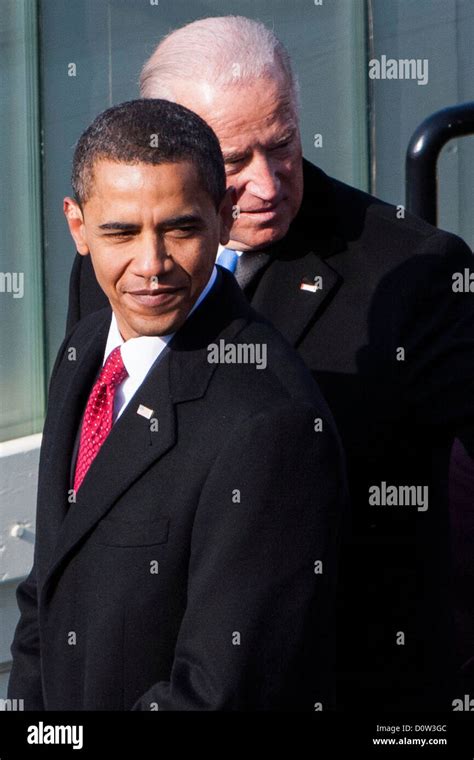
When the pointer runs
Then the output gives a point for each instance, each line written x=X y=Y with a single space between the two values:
x=422 y=156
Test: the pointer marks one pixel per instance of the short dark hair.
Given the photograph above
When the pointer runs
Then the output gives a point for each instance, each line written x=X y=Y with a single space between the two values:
x=149 y=131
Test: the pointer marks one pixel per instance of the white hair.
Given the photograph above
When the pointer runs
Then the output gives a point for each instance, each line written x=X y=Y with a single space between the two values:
x=224 y=51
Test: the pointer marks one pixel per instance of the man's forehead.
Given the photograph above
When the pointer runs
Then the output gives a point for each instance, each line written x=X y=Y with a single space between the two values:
x=108 y=213
x=116 y=178
x=132 y=188
x=244 y=141
x=134 y=171
x=247 y=135
x=268 y=122
x=242 y=112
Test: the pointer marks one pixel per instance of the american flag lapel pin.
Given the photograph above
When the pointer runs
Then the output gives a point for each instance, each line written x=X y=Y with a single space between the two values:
x=144 y=411
x=311 y=285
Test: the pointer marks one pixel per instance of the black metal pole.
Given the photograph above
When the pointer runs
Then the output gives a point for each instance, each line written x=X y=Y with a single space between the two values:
x=422 y=156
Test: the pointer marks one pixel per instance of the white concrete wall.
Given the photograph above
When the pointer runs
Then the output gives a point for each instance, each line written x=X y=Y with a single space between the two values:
x=18 y=482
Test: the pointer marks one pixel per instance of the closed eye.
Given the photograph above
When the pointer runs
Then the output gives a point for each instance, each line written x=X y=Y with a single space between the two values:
x=184 y=231
x=120 y=235
x=281 y=145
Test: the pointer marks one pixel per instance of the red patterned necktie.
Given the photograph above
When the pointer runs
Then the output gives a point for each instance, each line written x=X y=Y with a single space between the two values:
x=98 y=416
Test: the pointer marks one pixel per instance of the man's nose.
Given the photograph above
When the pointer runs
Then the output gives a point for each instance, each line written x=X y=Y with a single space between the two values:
x=151 y=259
x=263 y=178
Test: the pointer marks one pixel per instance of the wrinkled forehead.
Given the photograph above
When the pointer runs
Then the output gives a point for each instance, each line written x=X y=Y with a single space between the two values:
x=247 y=113
x=260 y=128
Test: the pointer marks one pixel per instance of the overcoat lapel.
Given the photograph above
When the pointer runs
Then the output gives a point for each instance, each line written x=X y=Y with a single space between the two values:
x=133 y=444
x=281 y=299
x=71 y=385
x=301 y=258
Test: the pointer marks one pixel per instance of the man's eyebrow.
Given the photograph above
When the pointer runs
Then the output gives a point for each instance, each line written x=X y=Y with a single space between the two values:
x=181 y=220
x=234 y=155
x=173 y=221
x=119 y=226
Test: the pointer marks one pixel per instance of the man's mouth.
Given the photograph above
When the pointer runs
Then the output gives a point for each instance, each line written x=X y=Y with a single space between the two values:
x=263 y=211
x=153 y=297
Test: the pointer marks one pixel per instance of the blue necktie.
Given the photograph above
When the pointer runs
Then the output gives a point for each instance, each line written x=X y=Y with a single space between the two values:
x=228 y=259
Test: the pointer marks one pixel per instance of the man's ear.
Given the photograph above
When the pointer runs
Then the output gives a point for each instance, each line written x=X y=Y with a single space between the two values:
x=226 y=212
x=75 y=220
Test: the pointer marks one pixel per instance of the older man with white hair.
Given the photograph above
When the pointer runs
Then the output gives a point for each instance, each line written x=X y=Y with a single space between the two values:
x=364 y=293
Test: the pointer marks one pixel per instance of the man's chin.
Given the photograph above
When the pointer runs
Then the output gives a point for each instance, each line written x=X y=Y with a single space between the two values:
x=152 y=326
x=257 y=237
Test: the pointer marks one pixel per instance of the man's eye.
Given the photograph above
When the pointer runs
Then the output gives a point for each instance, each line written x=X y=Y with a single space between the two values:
x=233 y=168
x=119 y=235
x=282 y=145
x=183 y=231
